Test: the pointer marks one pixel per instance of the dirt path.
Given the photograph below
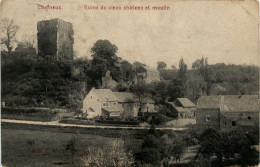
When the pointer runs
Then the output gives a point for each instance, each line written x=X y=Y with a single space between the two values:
x=56 y=123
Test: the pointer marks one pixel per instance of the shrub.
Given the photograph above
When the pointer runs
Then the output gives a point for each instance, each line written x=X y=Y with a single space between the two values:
x=155 y=118
x=113 y=155
x=33 y=114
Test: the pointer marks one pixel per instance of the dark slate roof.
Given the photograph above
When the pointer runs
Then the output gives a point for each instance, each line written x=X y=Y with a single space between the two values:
x=181 y=109
x=125 y=97
x=230 y=102
x=186 y=102
x=240 y=103
x=209 y=102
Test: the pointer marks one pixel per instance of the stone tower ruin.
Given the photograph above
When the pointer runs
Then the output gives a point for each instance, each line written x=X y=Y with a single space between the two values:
x=55 y=39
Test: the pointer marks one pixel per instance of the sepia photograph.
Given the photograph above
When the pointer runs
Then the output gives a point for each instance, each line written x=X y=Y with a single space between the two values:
x=130 y=83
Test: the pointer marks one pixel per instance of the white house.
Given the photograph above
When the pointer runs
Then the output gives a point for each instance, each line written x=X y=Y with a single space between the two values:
x=101 y=102
x=104 y=102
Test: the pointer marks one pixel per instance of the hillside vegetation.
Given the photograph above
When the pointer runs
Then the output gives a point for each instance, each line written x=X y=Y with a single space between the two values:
x=31 y=80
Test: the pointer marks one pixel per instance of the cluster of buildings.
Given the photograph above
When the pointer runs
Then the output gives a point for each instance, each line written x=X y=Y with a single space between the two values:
x=225 y=113
x=55 y=39
x=229 y=113
x=105 y=103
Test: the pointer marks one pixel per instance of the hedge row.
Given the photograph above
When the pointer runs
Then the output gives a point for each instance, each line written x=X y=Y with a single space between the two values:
x=117 y=122
x=76 y=121
x=30 y=114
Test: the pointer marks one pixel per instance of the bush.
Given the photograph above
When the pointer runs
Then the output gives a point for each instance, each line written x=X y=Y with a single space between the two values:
x=210 y=143
x=118 y=122
x=32 y=114
x=236 y=148
x=77 y=121
x=112 y=155
x=154 y=118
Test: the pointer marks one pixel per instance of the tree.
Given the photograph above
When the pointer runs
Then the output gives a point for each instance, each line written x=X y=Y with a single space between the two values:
x=176 y=89
x=9 y=30
x=137 y=64
x=197 y=85
x=207 y=77
x=182 y=76
x=182 y=73
x=198 y=64
x=140 y=90
x=71 y=146
x=30 y=41
x=201 y=65
x=24 y=49
x=104 y=52
x=161 y=65
x=104 y=59
x=113 y=155
x=210 y=144
x=151 y=148
x=241 y=144
x=126 y=71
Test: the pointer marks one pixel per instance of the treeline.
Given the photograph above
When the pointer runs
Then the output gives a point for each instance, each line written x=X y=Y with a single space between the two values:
x=167 y=148
x=216 y=79
x=32 y=80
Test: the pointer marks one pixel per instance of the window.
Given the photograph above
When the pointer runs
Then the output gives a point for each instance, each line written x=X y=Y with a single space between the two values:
x=114 y=103
x=104 y=104
x=194 y=114
x=224 y=123
x=233 y=123
x=249 y=118
x=208 y=118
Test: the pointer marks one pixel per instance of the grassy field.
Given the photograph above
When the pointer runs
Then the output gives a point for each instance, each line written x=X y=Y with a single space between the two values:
x=23 y=146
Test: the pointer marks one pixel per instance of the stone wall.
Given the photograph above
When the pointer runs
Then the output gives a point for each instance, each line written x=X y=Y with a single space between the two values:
x=238 y=121
x=55 y=38
x=47 y=37
x=201 y=119
x=65 y=40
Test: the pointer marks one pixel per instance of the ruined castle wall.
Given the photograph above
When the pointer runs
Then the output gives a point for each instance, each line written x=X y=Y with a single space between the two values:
x=47 y=37
x=65 y=40
x=55 y=38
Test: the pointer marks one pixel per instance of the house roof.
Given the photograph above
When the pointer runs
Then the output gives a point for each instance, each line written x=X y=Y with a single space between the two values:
x=149 y=69
x=186 y=102
x=125 y=97
x=104 y=94
x=181 y=109
x=209 y=102
x=230 y=102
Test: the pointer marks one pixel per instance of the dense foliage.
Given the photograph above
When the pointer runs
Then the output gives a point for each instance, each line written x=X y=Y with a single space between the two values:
x=32 y=80
x=161 y=147
x=229 y=148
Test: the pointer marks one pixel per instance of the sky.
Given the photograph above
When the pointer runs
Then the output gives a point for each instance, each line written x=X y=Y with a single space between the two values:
x=222 y=31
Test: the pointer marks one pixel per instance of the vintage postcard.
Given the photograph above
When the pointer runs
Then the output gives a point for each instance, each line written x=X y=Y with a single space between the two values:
x=123 y=83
